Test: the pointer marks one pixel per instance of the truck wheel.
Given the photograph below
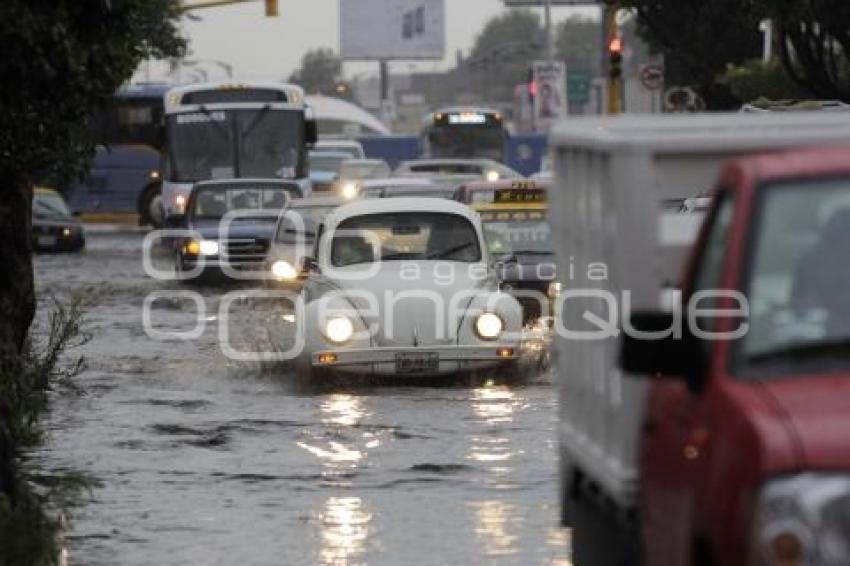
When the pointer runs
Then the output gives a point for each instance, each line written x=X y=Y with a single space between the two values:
x=150 y=207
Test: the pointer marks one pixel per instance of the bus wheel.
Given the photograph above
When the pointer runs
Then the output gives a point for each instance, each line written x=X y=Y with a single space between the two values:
x=150 y=207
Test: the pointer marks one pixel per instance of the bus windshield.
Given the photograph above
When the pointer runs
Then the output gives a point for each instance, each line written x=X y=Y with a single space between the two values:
x=466 y=140
x=225 y=144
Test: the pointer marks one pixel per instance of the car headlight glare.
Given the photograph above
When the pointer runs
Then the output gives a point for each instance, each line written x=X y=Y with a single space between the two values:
x=208 y=247
x=488 y=326
x=282 y=269
x=339 y=329
x=349 y=190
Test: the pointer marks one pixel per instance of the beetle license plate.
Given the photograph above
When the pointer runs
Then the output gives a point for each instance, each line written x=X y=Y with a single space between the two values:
x=416 y=362
x=46 y=241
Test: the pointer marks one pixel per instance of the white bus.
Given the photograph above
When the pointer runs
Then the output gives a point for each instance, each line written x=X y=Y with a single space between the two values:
x=233 y=130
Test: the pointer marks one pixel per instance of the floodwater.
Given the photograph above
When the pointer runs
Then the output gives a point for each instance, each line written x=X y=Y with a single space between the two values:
x=197 y=459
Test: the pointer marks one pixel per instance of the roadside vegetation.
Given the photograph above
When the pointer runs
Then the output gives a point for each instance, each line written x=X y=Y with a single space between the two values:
x=29 y=523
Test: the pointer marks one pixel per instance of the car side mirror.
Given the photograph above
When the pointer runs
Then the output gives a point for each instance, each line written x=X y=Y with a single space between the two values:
x=671 y=356
x=311 y=132
x=308 y=265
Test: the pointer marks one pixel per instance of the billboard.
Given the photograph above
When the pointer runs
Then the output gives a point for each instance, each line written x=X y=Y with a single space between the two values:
x=392 y=29
x=550 y=101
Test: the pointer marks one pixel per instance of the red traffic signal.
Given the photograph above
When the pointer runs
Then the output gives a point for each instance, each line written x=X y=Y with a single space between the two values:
x=615 y=45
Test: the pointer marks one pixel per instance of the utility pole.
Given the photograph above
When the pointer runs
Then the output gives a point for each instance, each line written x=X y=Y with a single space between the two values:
x=385 y=90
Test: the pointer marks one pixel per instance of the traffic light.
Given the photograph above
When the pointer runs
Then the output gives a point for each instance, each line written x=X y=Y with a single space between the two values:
x=271 y=9
x=615 y=58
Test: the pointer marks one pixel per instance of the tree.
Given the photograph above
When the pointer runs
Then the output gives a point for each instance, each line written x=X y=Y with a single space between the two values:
x=503 y=51
x=699 y=39
x=814 y=40
x=759 y=80
x=319 y=71
x=62 y=59
x=579 y=44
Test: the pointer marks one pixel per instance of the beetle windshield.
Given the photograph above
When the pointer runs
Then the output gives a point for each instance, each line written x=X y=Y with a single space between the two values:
x=797 y=289
x=400 y=236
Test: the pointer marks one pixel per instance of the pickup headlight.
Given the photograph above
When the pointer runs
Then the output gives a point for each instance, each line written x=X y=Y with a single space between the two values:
x=804 y=520
x=488 y=326
x=200 y=247
x=208 y=247
x=283 y=270
x=339 y=329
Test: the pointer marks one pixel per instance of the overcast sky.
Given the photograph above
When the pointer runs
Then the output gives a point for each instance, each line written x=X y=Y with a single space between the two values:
x=271 y=48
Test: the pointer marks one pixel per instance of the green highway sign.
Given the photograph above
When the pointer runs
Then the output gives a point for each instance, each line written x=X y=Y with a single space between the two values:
x=578 y=86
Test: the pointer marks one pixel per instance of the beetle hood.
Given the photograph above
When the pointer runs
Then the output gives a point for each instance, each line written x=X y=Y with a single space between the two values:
x=417 y=303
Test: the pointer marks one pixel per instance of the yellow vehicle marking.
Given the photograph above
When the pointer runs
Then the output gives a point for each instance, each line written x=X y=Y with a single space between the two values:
x=110 y=217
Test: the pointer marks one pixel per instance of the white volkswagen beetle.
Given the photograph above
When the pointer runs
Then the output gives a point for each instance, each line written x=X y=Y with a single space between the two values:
x=404 y=287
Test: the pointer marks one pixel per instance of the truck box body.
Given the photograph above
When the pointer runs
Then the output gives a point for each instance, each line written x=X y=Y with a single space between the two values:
x=611 y=176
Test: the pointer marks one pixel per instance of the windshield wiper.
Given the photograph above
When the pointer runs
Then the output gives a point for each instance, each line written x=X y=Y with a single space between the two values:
x=806 y=350
x=218 y=127
x=307 y=233
x=448 y=251
x=513 y=257
x=256 y=121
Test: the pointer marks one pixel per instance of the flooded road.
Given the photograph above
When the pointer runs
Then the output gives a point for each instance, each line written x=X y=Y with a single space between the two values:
x=197 y=459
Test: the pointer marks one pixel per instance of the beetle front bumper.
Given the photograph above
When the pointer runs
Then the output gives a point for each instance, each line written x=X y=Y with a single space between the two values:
x=416 y=361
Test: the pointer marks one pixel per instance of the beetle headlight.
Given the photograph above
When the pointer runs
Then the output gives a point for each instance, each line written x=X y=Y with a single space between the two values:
x=488 y=326
x=339 y=329
x=804 y=520
x=208 y=247
x=282 y=269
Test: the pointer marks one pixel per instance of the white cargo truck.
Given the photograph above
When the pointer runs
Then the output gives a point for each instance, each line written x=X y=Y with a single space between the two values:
x=612 y=176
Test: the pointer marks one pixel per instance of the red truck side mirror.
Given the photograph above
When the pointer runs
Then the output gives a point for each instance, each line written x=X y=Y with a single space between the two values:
x=678 y=358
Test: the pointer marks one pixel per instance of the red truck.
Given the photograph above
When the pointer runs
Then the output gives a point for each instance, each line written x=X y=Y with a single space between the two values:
x=724 y=437
x=745 y=452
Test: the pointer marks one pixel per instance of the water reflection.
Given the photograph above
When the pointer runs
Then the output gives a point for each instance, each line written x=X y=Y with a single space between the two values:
x=494 y=403
x=492 y=519
x=494 y=406
x=342 y=409
x=345 y=526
